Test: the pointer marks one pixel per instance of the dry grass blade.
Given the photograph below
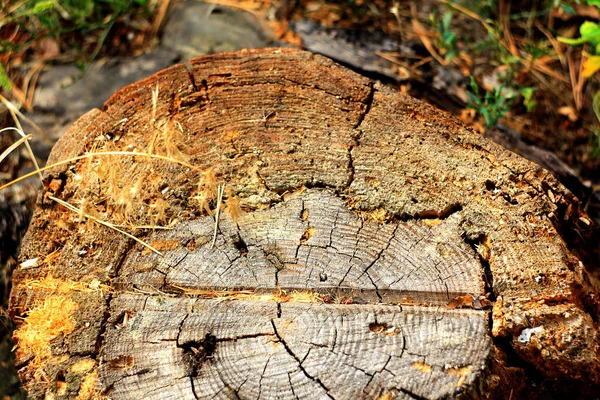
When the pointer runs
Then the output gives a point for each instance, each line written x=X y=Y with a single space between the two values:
x=101 y=222
x=423 y=36
x=153 y=227
x=163 y=6
x=154 y=103
x=103 y=153
x=30 y=80
x=525 y=59
x=14 y=112
x=505 y=21
x=13 y=146
x=577 y=80
x=252 y=6
x=12 y=109
x=555 y=43
x=277 y=295
x=408 y=69
x=21 y=97
x=473 y=15
x=220 y=190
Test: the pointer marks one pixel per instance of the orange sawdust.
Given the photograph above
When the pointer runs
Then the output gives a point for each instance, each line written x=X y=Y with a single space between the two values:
x=163 y=245
x=87 y=389
x=60 y=286
x=278 y=296
x=82 y=366
x=462 y=372
x=378 y=215
x=466 y=301
x=307 y=234
x=43 y=324
x=419 y=366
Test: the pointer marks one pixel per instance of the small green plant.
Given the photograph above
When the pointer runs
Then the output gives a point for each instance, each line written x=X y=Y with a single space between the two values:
x=528 y=99
x=66 y=20
x=590 y=34
x=493 y=105
x=447 y=39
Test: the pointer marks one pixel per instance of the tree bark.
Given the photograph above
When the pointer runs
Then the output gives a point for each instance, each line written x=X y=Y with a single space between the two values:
x=384 y=250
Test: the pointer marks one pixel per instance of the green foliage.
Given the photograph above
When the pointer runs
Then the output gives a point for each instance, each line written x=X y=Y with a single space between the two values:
x=538 y=50
x=493 y=105
x=484 y=8
x=528 y=100
x=590 y=33
x=53 y=18
x=447 y=39
x=5 y=82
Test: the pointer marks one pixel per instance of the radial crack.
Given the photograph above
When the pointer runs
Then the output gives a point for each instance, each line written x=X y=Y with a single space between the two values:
x=291 y=353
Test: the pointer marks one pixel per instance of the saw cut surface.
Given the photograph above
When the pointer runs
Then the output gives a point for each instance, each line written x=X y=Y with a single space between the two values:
x=295 y=231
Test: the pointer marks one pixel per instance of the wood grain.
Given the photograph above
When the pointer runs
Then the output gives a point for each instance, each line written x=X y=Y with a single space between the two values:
x=385 y=251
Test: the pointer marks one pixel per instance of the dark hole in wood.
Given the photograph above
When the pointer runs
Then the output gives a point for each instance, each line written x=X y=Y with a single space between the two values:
x=474 y=242
x=304 y=215
x=307 y=234
x=196 y=353
x=225 y=75
x=509 y=199
x=122 y=319
x=490 y=185
x=451 y=209
x=191 y=245
x=383 y=329
x=61 y=382
x=122 y=362
x=241 y=246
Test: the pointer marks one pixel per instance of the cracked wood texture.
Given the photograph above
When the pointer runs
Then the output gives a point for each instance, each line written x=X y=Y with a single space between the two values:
x=384 y=251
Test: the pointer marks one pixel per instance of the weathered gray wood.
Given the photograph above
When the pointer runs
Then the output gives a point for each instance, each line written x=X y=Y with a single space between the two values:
x=399 y=226
x=404 y=262
x=224 y=349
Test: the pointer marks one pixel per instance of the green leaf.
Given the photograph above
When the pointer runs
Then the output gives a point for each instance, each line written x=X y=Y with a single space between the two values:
x=591 y=65
x=596 y=104
x=589 y=29
x=528 y=100
x=4 y=79
x=43 y=6
x=590 y=33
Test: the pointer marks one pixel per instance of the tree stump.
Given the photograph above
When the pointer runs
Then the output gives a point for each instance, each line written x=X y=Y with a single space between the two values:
x=308 y=233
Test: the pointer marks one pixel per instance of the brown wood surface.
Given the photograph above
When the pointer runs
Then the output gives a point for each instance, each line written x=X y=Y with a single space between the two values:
x=384 y=251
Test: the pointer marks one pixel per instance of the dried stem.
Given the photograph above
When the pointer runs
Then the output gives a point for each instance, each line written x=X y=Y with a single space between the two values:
x=103 y=153
x=220 y=190
x=101 y=222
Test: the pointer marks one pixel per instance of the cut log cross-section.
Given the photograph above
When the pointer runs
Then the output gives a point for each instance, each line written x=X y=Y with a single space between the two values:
x=326 y=237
